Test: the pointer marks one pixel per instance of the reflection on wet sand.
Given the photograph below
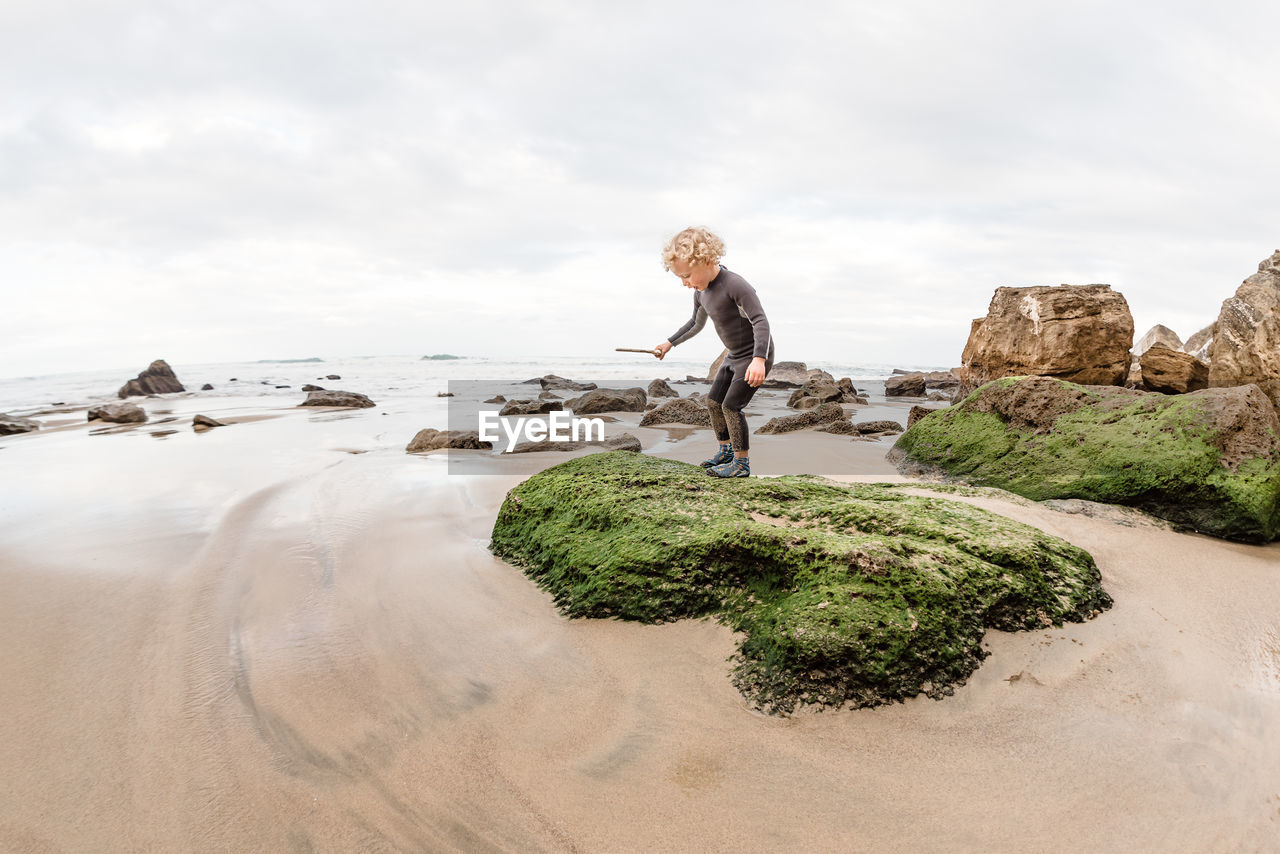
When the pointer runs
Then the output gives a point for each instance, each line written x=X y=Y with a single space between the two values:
x=307 y=649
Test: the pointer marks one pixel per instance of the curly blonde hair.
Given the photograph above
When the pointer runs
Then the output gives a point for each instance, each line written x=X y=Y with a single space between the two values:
x=694 y=245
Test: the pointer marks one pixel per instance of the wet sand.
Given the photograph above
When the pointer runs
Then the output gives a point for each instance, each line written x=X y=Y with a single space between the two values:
x=288 y=635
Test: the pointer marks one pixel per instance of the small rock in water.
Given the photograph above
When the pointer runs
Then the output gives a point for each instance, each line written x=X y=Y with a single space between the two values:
x=204 y=422
x=118 y=413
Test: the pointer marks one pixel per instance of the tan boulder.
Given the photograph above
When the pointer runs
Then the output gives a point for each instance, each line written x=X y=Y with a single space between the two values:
x=1170 y=371
x=1158 y=334
x=1079 y=333
x=1246 y=344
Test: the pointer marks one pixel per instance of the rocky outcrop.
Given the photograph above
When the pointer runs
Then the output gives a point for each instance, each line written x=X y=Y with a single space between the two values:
x=1158 y=334
x=553 y=381
x=715 y=365
x=840 y=428
x=1208 y=461
x=1169 y=371
x=787 y=375
x=431 y=439
x=525 y=406
x=118 y=413
x=941 y=380
x=203 y=422
x=12 y=424
x=905 y=385
x=156 y=379
x=878 y=428
x=815 y=393
x=1079 y=333
x=1246 y=343
x=1199 y=344
x=916 y=413
x=871 y=595
x=348 y=399
x=659 y=388
x=678 y=411
x=608 y=400
x=621 y=442
x=811 y=418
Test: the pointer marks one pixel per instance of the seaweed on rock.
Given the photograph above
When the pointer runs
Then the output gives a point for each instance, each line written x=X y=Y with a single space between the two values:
x=1208 y=461
x=844 y=593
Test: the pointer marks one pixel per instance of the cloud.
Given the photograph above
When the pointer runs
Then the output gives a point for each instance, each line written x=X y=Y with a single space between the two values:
x=307 y=178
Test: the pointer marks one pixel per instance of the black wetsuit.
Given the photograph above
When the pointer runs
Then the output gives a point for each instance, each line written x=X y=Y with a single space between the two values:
x=735 y=310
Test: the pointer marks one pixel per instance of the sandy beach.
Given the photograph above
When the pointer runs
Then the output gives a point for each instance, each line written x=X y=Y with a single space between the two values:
x=289 y=635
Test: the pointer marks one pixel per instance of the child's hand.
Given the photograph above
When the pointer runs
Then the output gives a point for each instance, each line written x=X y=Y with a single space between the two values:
x=661 y=349
x=755 y=372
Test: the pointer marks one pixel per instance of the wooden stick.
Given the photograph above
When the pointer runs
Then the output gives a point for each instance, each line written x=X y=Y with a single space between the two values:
x=634 y=350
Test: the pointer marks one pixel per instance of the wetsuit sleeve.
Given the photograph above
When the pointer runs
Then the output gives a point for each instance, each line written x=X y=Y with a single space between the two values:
x=750 y=308
x=694 y=326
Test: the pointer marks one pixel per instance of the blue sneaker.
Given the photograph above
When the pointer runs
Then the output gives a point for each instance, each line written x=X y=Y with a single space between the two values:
x=738 y=467
x=724 y=455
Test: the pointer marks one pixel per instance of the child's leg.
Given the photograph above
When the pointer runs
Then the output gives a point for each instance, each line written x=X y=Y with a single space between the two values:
x=737 y=397
x=715 y=399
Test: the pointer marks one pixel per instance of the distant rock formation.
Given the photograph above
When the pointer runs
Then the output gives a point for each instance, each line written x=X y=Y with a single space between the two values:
x=158 y=378
x=905 y=385
x=530 y=407
x=608 y=400
x=1246 y=345
x=118 y=413
x=1158 y=334
x=682 y=410
x=553 y=381
x=786 y=375
x=715 y=366
x=1170 y=371
x=431 y=439
x=12 y=424
x=1079 y=333
x=1198 y=345
x=350 y=399
x=659 y=388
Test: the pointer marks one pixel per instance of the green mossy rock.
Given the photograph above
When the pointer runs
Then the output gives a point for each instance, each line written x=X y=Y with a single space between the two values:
x=856 y=594
x=1208 y=461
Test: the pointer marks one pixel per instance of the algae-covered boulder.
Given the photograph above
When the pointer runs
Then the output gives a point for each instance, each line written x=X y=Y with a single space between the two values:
x=1208 y=461
x=843 y=593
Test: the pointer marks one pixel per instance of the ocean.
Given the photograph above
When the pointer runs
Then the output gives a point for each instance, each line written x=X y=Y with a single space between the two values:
x=402 y=379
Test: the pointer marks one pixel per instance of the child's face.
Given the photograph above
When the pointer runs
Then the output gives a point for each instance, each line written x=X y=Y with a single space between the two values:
x=696 y=276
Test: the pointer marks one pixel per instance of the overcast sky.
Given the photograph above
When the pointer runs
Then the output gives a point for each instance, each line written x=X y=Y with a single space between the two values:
x=222 y=181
